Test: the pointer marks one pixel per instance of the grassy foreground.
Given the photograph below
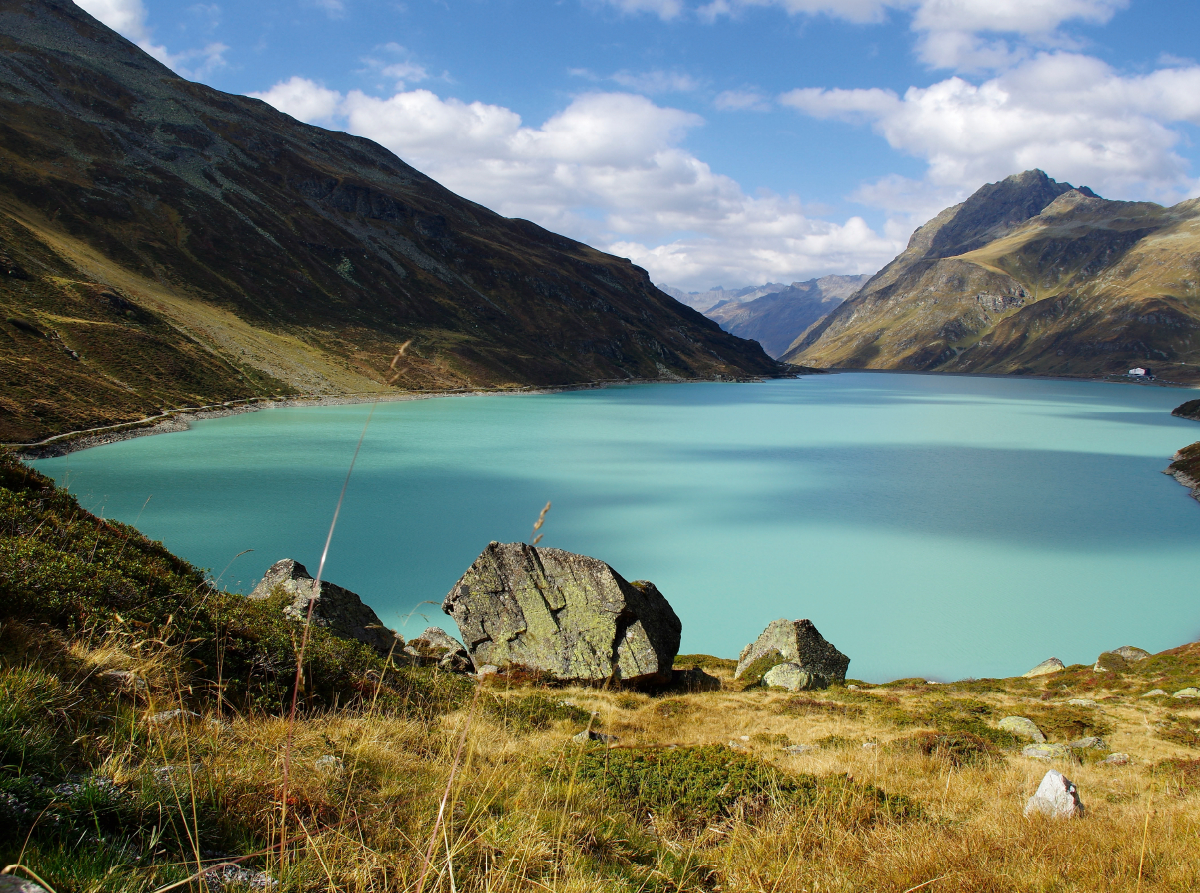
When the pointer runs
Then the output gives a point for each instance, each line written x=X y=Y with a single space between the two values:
x=410 y=779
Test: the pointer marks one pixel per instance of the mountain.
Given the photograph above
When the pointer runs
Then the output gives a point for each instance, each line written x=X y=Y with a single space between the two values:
x=777 y=319
x=1029 y=276
x=165 y=244
x=706 y=300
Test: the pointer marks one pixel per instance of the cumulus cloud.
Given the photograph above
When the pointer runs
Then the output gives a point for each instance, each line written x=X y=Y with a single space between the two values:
x=128 y=18
x=1069 y=114
x=607 y=169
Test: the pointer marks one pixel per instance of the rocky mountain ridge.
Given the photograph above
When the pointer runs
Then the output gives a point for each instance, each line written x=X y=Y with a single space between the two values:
x=775 y=320
x=1029 y=276
x=164 y=244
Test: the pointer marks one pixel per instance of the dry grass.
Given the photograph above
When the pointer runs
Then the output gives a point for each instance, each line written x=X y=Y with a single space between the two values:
x=519 y=818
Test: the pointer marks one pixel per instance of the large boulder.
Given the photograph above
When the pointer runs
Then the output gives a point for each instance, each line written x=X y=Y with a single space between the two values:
x=1023 y=727
x=436 y=646
x=568 y=616
x=814 y=662
x=338 y=610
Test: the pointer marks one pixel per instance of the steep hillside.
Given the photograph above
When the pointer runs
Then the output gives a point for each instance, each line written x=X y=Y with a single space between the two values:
x=776 y=320
x=165 y=244
x=1029 y=276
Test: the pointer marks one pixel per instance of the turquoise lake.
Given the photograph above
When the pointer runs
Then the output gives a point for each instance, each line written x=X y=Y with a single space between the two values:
x=944 y=527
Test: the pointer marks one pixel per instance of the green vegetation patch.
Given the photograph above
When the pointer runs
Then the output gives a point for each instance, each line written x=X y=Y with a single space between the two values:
x=697 y=785
x=531 y=713
x=1179 y=730
x=1066 y=723
x=759 y=668
x=704 y=662
x=801 y=706
x=957 y=748
x=1181 y=776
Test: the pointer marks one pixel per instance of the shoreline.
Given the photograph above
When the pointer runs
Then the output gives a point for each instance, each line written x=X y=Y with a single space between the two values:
x=176 y=420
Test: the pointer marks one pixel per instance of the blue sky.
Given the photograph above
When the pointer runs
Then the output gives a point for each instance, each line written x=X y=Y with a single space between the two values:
x=721 y=142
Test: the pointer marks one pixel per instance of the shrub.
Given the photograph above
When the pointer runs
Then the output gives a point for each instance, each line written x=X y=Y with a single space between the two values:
x=957 y=748
x=696 y=785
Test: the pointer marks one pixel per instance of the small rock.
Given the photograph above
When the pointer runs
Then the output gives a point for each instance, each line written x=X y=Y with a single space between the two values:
x=1045 y=668
x=1089 y=743
x=487 y=670
x=1154 y=693
x=124 y=679
x=1081 y=702
x=337 y=609
x=169 y=716
x=1022 y=727
x=330 y=763
x=1056 y=797
x=10 y=883
x=231 y=875
x=797 y=750
x=737 y=745
x=1187 y=693
x=218 y=725
x=869 y=745
x=588 y=735
x=795 y=642
x=1044 y=751
x=852 y=687
x=436 y=646
x=1116 y=759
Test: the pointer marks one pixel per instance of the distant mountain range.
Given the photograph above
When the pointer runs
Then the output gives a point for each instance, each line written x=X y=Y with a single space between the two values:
x=776 y=318
x=705 y=300
x=1029 y=276
x=164 y=244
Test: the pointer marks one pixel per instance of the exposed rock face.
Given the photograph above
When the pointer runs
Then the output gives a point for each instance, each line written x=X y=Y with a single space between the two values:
x=338 y=610
x=1056 y=797
x=1022 y=727
x=1119 y=659
x=435 y=645
x=566 y=615
x=1131 y=653
x=798 y=643
x=1045 y=668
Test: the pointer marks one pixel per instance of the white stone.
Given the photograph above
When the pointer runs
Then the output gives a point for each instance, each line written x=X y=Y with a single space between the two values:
x=1116 y=759
x=1056 y=797
x=1081 y=702
x=1187 y=693
x=788 y=676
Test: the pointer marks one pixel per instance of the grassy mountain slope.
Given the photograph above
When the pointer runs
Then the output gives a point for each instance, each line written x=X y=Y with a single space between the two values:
x=1029 y=276
x=776 y=320
x=166 y=243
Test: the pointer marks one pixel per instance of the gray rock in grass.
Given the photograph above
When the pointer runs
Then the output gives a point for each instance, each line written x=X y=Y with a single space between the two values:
x=336 y=609
x=795 y=642
x=1045 y=751
x=436 y=646
x=1022 y=727
x=1045 y=668
x=10 y=883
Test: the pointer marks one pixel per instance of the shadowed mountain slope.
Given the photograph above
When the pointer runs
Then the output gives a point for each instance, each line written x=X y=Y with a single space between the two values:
x=776 y=320
x=166 y=244
x=1029 y=276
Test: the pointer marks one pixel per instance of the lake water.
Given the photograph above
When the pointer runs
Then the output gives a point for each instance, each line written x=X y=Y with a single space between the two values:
x=933 y=526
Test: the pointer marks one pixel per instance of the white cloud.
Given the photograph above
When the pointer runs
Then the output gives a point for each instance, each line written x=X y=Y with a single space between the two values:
x=1069 y=114
x=128 y=18
x=664 y=9
x=303 y=99
x=335 y=9
x=742 y=101
x=949 y=31
x=609 y=170
x=656 y=81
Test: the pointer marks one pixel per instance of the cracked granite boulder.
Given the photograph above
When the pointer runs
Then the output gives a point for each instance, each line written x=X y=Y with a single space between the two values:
x=569 y=616
x=805 y=659
x=339 y=610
